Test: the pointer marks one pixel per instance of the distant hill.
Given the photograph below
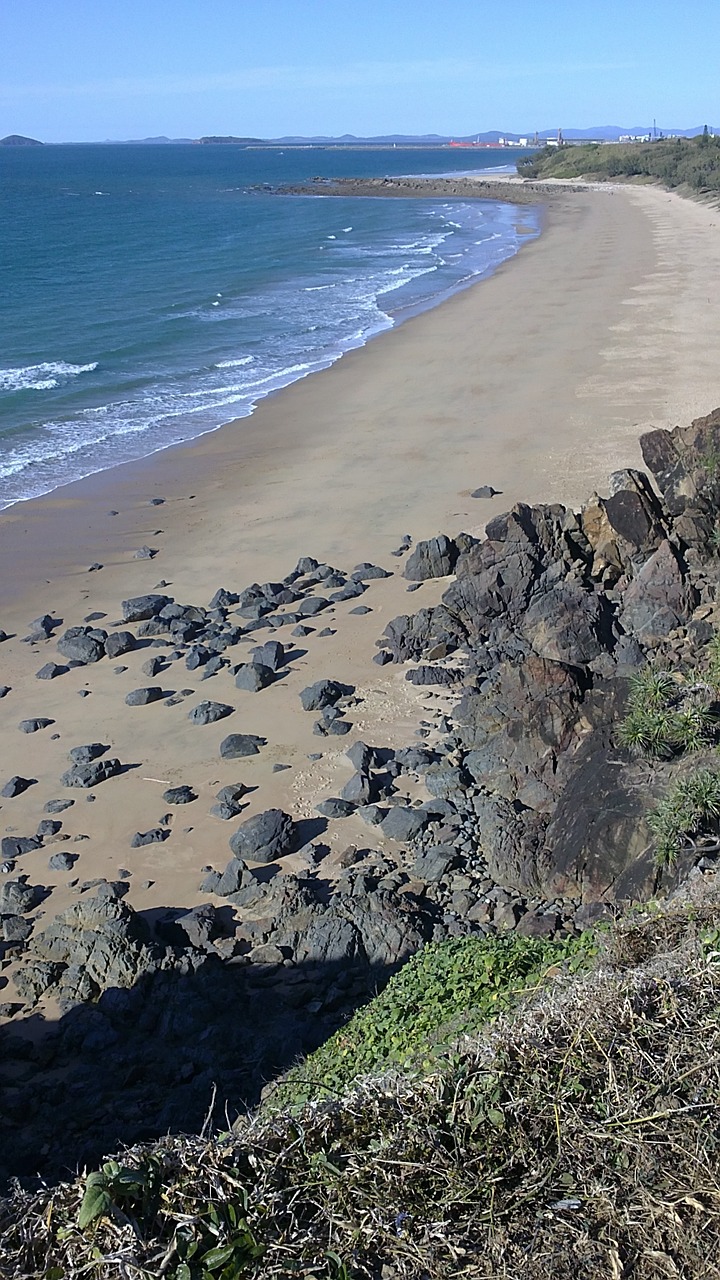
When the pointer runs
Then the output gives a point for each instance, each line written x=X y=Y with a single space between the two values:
x=238 y=142
x=17 y=140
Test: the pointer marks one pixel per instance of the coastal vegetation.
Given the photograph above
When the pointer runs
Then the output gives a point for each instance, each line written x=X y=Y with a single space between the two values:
x=691 y=163
x=574 y=1138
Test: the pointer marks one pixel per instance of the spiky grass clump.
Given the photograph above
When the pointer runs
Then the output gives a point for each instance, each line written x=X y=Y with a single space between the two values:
x=664 y=717
x=577 y=1140
x=691 y=809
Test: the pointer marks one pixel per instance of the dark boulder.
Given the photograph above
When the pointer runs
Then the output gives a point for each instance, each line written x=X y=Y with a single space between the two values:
x=50 y=671
x=88 y=752
x=209 y=712
x=660 y=597
x=179 y=795
x=141 y=697
x=237 y=745
x=90 y=775
x=119 y=642
x=324 y=693
x=15 y=846
x=435 y=558
x=141 y=607
x=404 y=824
x=253 y=676
x=32 y=726
x=81 y=648
x=16 y=786
x=264 y=837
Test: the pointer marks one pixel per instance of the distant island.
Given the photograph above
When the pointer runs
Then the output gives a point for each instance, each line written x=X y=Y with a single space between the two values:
x=17 y=140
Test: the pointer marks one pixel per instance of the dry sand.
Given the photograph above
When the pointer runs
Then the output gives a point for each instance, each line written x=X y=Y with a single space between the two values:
x=537 y=381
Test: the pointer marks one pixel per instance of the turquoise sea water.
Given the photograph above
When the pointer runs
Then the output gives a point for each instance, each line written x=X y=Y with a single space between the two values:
x=150 y=294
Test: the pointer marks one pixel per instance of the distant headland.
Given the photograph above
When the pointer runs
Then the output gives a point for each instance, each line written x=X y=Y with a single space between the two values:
x=17 y=140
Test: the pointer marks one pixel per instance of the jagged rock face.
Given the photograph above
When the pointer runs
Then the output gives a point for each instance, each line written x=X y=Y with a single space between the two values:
x=555 y=611
x=686 y=466
x=660 y=597
x=624 y=528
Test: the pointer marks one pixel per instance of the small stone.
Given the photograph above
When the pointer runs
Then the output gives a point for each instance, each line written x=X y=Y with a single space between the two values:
x=209 y=712
x=93 y=568
x=339 y=728
x=47 y=827
x=179 y=795
x=382 y=658
x=58 y=806
x=237 y=745
x=152 y=667
x=146 y=553
x=62 y=861
x=4 y=690
x=155 y=836
x=16 y=786
x=485 y=491
x=84 y=754
x=156 y=502
x=50 y=671
x=335 y=808
x=253 y=676
x=366 y=572
x=361 y=608
x=32 y=726
x=141 y=697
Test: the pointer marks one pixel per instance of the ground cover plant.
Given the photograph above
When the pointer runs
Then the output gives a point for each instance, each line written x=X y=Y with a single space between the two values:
x=693 y=163
x=575 y=1139
x=447 y=990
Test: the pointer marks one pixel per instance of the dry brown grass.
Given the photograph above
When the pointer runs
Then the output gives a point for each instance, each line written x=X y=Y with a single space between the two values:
x=579 y=1139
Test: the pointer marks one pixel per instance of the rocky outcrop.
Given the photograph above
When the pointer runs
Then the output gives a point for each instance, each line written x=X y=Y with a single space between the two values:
x=553 y=611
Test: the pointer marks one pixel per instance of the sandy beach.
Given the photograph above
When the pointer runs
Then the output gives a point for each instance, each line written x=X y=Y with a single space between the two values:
x=537 y=381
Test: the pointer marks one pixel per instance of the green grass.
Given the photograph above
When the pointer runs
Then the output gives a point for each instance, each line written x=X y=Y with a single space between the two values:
x=447 y=991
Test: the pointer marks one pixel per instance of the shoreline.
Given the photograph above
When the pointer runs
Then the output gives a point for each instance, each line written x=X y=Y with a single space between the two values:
x=537 y=382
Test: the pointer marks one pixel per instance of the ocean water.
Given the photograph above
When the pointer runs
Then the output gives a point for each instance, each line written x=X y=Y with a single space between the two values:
x=151 y=294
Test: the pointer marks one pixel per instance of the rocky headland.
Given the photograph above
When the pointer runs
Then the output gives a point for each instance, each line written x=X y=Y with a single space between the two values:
x=514 y=808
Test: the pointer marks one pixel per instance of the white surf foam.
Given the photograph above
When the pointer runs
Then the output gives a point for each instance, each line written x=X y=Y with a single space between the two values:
x=42 y=377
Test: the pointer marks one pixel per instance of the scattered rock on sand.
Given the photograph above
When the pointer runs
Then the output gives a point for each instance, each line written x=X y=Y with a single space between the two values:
x=4 y=690
x=365 y=572
x=485 y=491
x=78 y=646
x=324 y=693
x=141 y=697
x=50 y=671
x=155 y=836
x=32 y=726
x=253 y=676
x=16 y=786
x=435 y=558
x=335 y=807
x=265 y=837
x=16 y=846
x=90 y=775
x=140 y=608
x=118 y=643
x=179 y=795
x=58 y=806
x=16 y=897
x=209 y=712
x=89 y=751
x=237 y=745
x=62 y=861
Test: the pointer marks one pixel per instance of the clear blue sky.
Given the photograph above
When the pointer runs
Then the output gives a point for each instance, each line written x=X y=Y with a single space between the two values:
x=79 y=70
